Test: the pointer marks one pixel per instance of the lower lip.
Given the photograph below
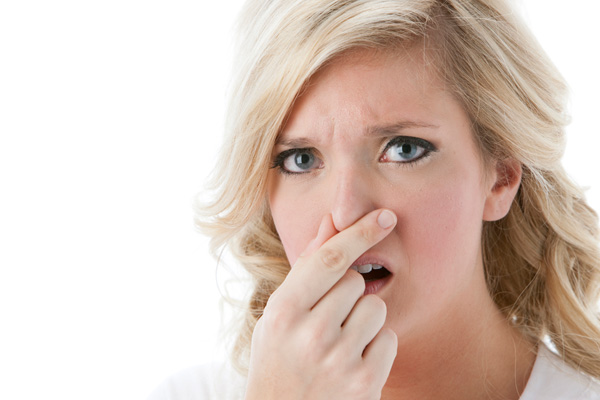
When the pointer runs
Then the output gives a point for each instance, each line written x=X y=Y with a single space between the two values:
x=374 y=286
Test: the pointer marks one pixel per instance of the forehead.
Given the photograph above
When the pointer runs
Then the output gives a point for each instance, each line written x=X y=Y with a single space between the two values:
x=369 y=88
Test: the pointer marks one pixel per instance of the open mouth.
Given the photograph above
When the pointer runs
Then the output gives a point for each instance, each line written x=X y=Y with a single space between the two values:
x=372 y=272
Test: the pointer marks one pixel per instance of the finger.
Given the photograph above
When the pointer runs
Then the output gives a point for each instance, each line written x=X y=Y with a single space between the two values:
x=326 y=231
x=364 y=323
x=380 y=354
x=313 y=275
x=339 y=301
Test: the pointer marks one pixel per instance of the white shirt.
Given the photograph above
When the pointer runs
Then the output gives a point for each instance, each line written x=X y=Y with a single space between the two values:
x=214 y=381
x=550 y=379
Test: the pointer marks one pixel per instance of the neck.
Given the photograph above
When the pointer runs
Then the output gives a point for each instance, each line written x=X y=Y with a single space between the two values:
x=468 y=355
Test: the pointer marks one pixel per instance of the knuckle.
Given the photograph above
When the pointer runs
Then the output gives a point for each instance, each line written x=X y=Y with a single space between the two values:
x=330 y=366
x=344 y=348
x=367 y=234
x=366 y=383
x=333 y=363
x=314 y=337
x=333 y=257
x=277 y=316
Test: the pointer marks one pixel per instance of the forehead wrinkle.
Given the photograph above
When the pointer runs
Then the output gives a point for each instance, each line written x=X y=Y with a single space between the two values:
x=309 y=135
x=369 y=131
x=392 y=129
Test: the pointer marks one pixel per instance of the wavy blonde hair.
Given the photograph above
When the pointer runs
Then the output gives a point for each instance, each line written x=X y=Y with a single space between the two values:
x=542 y=261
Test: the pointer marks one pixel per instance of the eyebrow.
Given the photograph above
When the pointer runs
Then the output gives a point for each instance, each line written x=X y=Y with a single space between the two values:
x=387 y=130
x=377 y=130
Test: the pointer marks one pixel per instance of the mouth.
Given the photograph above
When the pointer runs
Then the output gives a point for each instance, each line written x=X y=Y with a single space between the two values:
x=372 y=272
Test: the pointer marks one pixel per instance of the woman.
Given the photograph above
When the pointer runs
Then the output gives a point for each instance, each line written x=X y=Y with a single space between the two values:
x=392 y=182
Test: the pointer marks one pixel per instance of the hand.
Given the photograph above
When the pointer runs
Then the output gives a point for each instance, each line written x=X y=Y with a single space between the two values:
x=319 y=337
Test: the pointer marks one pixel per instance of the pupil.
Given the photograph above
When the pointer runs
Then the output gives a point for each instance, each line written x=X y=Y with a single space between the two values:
x=304 y=160
x=407 y=148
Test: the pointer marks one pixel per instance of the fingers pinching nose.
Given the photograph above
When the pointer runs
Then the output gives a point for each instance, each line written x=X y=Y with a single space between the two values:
x=326 y=230
x=386 y=219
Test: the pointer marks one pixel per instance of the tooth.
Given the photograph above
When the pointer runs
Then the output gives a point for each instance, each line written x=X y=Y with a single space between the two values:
x=354 y=267
x=377 y=266
x=365 y=269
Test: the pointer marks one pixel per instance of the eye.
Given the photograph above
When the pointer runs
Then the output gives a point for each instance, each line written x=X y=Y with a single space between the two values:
x=405 y=149
x=297 y=161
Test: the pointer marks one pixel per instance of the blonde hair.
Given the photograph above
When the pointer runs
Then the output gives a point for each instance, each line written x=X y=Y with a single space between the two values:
x=542 y=261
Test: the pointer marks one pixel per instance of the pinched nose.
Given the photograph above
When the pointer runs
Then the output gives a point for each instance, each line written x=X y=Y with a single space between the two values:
x=352 y=198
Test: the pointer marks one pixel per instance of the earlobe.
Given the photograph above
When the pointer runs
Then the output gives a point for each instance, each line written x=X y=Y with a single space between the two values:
x=500 y=196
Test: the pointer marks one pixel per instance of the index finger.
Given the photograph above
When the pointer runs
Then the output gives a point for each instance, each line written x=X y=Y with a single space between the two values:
x=313 y=275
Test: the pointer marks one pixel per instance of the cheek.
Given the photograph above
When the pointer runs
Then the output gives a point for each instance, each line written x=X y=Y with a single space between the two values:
x=296 y=222
x=441 y=228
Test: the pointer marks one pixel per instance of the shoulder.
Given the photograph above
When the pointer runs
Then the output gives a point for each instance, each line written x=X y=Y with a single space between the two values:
x=552 y=379
x=215 y=380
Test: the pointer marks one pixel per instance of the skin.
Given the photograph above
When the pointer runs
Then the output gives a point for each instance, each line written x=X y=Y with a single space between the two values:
x=435 y=312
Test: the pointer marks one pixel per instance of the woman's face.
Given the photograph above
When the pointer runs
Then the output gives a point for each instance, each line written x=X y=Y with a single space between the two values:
x=381 y=131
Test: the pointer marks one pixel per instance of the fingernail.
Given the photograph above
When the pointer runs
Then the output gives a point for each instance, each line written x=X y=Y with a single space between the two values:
x=386 y=219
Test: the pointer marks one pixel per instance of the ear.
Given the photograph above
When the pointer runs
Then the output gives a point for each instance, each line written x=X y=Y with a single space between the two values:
x=505 y=181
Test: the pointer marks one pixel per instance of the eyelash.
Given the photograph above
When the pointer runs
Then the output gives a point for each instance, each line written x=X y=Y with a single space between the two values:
x=428 y=148
x=281 y=157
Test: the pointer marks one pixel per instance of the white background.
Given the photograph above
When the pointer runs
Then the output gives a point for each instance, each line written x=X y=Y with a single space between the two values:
x=110 y=117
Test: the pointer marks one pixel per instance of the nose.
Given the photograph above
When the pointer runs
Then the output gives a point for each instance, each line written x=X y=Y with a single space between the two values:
x=352 y=198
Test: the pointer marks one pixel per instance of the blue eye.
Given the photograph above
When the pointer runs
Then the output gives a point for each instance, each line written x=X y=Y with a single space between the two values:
x=296 y=161
x=407 y=149
x=299 y=162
